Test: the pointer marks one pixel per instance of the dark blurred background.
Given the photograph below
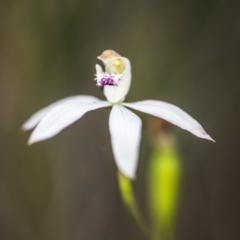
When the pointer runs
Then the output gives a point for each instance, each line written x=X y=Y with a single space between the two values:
x=184 y=52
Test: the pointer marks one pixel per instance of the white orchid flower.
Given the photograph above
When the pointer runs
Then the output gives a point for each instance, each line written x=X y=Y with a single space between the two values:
x=124 y=125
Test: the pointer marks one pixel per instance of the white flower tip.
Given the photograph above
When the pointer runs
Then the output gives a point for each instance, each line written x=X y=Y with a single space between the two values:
x=31 y=141
x=131 y=176
x=206 y=136
x=127 y=173
x=210 y=139
x=38 y=136
x=36 y=139
x=26 y=126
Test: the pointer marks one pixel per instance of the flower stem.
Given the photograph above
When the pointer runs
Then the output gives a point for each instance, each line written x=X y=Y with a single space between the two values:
x=125 y=186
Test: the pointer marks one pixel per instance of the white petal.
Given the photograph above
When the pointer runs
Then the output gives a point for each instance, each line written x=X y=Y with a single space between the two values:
x=172 y=114
x=60 y=117
x=98 y=69
x=36 y=117
x=125 y=131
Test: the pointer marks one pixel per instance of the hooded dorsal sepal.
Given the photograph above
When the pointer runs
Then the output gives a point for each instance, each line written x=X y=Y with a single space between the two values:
x=116 y=78
x=108 y=54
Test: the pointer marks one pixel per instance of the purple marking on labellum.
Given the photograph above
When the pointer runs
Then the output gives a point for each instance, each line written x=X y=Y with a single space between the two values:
x=107 y=81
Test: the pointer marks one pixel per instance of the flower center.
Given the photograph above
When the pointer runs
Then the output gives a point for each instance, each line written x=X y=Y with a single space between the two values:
x=115 y=65
x=114 y=70
x=106 y=79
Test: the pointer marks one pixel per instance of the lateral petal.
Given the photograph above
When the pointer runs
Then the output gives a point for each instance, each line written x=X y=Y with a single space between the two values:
x=36 y=117
x=62 y=116
x=172 y=114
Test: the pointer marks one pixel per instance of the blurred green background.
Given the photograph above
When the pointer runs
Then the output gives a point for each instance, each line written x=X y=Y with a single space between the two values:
x=184 y=52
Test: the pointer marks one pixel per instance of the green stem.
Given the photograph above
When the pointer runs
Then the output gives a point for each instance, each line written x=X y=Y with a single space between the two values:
x=125 y=186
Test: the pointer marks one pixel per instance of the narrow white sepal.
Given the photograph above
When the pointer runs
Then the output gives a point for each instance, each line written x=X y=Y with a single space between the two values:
x=98 y=69
x=60 y=117
x=125 y=130
x=172 y=114
x=36 y=117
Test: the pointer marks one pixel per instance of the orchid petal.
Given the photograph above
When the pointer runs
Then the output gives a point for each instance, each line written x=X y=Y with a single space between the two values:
x=125 y=131
x=98 y=69
x=172 y=114
x=62 y=116
x=36 y=117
